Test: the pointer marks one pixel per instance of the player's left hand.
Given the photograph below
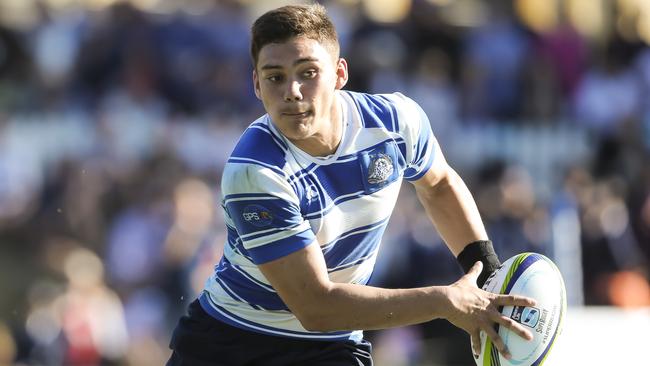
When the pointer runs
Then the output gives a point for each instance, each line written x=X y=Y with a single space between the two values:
x=475 y=310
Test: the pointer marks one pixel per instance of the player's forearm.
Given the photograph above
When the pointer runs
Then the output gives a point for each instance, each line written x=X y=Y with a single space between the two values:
x=453 y=211
x=350 y=307
x=302 y=282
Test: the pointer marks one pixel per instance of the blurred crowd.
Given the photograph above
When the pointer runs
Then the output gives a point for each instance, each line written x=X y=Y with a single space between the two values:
x=116 y=118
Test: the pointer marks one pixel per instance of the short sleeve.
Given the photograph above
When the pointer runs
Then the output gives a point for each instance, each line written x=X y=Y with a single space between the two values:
x=415 y=129
x=263 y=208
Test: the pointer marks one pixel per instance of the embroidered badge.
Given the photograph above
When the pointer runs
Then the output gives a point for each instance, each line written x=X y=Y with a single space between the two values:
x=380 y=169
x=257 y=215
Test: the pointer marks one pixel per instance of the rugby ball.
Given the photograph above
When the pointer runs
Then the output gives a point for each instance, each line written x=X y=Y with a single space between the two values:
x=535 y=276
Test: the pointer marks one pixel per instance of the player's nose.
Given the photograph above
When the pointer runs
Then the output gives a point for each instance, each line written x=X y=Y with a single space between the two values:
x=292 y=92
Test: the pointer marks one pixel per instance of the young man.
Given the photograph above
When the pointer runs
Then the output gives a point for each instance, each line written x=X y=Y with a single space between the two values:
x=307 y=194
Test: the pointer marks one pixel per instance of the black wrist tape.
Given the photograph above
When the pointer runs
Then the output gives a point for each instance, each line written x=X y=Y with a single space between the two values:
x=480 y=250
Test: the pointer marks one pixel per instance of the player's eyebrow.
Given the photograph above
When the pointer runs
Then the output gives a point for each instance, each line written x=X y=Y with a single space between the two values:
x=298 y=61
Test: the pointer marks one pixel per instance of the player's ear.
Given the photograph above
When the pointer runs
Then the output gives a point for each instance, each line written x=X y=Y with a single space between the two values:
x=256 y=85
x=341 y=73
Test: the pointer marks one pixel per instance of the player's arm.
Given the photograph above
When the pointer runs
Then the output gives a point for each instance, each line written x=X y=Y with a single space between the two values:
x=302 y=282
x=449 y=204
x=452 y=209
x=443 y=193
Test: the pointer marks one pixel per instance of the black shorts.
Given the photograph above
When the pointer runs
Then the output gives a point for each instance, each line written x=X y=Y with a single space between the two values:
x=201 y=340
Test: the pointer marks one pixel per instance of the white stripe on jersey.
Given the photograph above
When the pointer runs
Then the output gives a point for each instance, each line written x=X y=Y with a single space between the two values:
x=378 y=207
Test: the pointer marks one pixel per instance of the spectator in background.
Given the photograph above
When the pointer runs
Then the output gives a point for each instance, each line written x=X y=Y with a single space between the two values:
x=610 y=94
x=8 y=349
x=555 y=68
x=63 y=320
x=493 y=63
x=643 y=69
x=15 y=67
x=510 y=209
x=430 y=84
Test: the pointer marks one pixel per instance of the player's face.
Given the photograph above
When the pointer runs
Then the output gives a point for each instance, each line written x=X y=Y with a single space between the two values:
x=296 y=81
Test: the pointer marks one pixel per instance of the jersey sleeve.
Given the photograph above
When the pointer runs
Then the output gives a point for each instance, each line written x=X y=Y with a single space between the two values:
x=263 y=208
x=415 y=129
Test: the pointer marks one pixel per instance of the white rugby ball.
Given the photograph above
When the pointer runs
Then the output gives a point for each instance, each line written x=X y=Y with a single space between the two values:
x=535 y=276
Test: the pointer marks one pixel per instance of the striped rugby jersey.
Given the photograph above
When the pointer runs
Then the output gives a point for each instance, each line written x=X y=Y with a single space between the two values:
x=277 y=199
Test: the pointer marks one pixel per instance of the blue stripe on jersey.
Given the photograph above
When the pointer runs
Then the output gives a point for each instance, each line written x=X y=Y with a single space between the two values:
x=393 y=112
x=250 y=277
x=235 y=242
x=354 y=263
x=340 y=179
x=326 y=248
x=419 y=166
x=232 y=294
x=402 y=149
x=248 y=290
x=265 y=126
x=212 y=308
x=376 y=112
x=423 y=169
x=260 y=147
x=302 y=172
x=353 y=248
x=256 y=162
x=282 y=247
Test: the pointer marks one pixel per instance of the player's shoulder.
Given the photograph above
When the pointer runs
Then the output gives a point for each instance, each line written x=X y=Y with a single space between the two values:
x=382 y=110
x=260 y=145
x=257 y=161
x=246 y=177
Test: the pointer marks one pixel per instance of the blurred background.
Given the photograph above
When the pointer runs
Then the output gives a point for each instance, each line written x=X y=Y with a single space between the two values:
x=116 y=118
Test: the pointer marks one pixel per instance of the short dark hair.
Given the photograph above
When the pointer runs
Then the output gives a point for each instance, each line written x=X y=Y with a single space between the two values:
x=281 y=24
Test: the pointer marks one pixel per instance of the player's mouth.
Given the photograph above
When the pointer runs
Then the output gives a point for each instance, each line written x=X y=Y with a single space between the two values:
x=297 y=115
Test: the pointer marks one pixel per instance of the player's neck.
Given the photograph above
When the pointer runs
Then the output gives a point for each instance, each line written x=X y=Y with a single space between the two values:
x=328 y=139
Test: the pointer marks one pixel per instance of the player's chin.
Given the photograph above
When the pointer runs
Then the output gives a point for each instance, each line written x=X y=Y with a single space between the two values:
x=299 y=132
x=299 y=126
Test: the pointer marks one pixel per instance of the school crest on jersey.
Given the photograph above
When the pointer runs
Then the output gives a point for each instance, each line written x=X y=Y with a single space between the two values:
x=380 y=169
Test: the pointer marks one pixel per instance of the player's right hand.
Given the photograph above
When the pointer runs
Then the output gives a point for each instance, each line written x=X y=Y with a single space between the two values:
x=475 y=310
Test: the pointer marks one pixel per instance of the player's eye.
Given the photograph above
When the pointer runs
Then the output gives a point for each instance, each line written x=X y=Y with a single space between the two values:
x=274 y=78
x=310 y=74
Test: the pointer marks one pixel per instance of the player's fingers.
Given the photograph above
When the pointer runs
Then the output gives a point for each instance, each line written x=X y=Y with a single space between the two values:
x=513 y=300
x=519 y=329
x=475 y=341
x=497 y=341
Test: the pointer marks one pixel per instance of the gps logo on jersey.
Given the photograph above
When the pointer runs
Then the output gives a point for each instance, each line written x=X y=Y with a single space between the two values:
x=248 y=216
x=257 y=215
x=381 y=168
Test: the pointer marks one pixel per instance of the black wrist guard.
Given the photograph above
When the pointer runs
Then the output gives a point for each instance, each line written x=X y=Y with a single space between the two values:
x=480 y=250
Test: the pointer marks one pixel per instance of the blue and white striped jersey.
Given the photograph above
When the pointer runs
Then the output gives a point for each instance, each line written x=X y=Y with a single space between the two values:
x=278 y=199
